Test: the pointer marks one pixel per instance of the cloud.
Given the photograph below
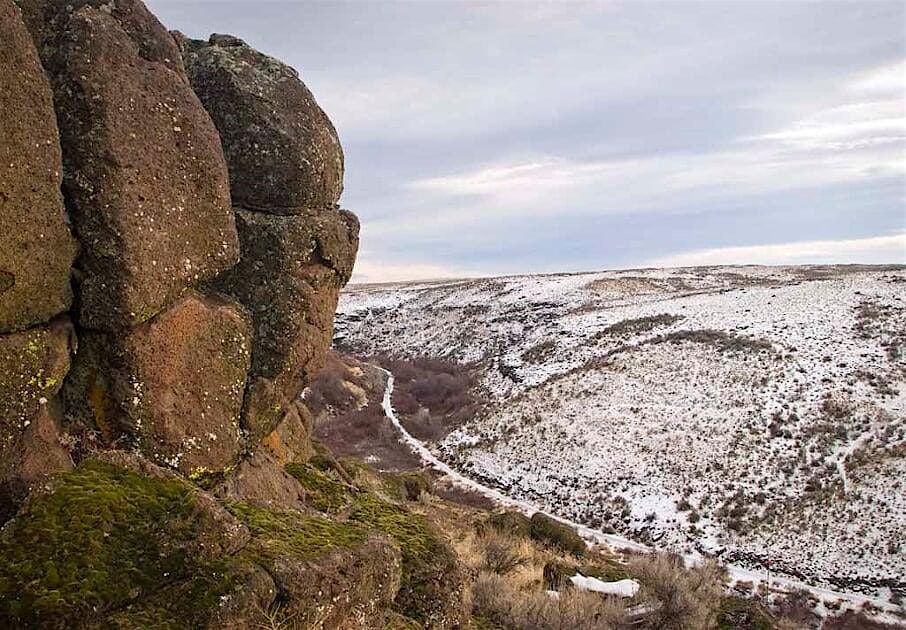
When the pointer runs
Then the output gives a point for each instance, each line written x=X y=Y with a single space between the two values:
x=849 y=140
x=888 y=79
x=370 y=268
x=874 y=250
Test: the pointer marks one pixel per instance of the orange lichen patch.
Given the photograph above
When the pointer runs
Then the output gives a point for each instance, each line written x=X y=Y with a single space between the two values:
x=274 y=445
x=100 y=404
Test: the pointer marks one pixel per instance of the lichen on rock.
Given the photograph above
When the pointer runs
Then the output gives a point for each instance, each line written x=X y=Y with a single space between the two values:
x=36 y=248
x=283 y=152
x=289 y=277
x=172 y=387
x=143 y=169
x=34 y=364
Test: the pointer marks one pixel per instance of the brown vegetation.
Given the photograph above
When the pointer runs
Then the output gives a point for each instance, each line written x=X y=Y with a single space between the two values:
x=432 y=396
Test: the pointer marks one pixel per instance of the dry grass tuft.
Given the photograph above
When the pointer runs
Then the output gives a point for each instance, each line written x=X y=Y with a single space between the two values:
x=495 y=599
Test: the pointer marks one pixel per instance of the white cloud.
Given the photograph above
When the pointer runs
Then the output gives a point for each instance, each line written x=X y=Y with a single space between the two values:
x=848 y=140
x=874 y=250
x=889 y=79
x=370 y=269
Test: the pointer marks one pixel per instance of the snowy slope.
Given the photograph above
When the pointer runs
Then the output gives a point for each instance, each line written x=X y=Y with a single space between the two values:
x=758 y=413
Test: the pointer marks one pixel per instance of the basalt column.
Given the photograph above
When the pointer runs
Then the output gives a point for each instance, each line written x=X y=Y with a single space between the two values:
x=297 y=246
x=160 y=367
x=36 y=254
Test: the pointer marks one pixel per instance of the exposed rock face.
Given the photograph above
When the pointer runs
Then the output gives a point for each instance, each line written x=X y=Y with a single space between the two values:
x=284 y=158
x=352 y=587
x=47 y=21
x=34 y=363
x=262 y=480
x=282 y=150
x=36 y=249
x=291 y=440
x=289 y=277
x=143 y=168
x=173 y=385
x=189 y=363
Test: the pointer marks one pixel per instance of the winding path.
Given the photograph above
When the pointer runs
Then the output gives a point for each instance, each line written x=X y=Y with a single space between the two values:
x=738 y=574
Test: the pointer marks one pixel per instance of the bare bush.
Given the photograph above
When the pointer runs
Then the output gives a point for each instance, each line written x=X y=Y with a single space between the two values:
x=496 y=600
x=502 y=553
x=720 y=340
x=688 y=598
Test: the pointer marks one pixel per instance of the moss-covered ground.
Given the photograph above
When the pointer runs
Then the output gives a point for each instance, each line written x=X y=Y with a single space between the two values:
x=111 y=546
x=428 y=564
x=322 y=491
x=285 y=533
x=105 y=536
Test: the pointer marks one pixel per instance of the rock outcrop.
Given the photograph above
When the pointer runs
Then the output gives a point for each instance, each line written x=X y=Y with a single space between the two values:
x=34 y=363
x=289 y=277
x=283 y=153
x=154 y=451
x=36 y=252
x=144 y=172
x=36 y=249
x=297 y=247
x=172 y=387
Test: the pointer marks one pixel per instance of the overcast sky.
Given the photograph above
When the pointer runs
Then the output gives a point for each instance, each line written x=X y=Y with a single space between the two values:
x=538 y=137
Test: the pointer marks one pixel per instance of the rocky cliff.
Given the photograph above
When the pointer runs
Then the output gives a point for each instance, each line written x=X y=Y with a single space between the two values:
x=171 y=253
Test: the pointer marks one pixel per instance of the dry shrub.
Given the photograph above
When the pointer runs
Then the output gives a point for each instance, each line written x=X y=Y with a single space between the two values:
x=797 y=607
x=443 y=388
x=686 y=598
x=502 y=553
x=496 y=600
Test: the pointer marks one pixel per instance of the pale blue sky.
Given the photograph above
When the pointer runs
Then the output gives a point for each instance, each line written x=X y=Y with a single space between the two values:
x=509 y=137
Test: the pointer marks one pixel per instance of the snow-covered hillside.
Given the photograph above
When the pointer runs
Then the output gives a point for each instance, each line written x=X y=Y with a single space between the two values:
x=754 y=412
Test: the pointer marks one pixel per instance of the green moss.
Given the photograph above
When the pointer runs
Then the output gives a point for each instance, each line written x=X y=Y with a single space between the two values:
x=105 y=536
x=322 y=461
x=556 y=573
x=206 y=479
x=605 y=571
x=403 y=486
x=187 y=604
x=322 y=492
x=556 y=534
x=429 y=570
x=278 y=533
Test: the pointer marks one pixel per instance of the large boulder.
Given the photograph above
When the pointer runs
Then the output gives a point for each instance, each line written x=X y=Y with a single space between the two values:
x=36 y=249
x=114 y=530
x=34 y=363
x=172 y=387
x=143 y=169
x=47 y=21
x=282 y=150
x=289 y=277
x=329 y=574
